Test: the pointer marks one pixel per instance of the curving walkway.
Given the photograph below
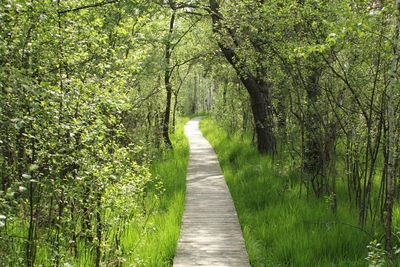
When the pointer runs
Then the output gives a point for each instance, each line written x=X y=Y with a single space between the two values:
x=210 y=234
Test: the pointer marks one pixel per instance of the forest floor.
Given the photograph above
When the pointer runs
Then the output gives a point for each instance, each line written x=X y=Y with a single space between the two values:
x=211 y=233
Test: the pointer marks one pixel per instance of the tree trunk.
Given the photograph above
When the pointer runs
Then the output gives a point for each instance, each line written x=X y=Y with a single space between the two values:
x=314 y=161
x=392 y=139
x=263 y=117
x=99 y=229
x=174 y=111
x=258 y=89
x=167 y=81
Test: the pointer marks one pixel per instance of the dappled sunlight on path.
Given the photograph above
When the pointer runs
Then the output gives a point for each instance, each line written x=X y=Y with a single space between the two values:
x=211 y=234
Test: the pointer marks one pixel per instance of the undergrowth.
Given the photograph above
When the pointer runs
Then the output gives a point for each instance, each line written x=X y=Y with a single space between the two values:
x=159 y=237
x=281 y=225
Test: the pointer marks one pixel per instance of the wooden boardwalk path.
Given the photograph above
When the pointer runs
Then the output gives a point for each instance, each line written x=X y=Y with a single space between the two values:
x=210 y=234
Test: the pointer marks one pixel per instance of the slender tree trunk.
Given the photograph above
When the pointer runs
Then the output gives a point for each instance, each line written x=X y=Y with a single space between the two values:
x=314 y=160
x=392 y=139
x=281 y=114
x=194 y=103
x=31 y=242
x=225 y=91
x=174 y=111
x=167 y=81
x=99 y=230
x=176 y=96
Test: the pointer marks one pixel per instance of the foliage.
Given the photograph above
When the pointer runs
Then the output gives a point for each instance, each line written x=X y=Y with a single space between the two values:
x=79 y=129
x=328 y=67
x=86 y=87
x=376 y=254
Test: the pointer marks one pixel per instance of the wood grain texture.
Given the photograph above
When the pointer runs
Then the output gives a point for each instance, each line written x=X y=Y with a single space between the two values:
x=211 y=233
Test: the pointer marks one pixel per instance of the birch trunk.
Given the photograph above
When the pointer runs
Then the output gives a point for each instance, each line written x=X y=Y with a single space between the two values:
x=392 y=137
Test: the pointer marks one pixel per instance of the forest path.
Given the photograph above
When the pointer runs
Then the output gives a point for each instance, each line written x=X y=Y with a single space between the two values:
x=211 y=233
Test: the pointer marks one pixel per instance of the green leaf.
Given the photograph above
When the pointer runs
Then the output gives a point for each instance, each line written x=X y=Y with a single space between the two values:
x=33 y=167
x=22 y=189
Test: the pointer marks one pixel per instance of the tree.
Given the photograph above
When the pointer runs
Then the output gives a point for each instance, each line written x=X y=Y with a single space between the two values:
x=392 y=136
x=167 y=78
x=173 y=39
x=258 y=88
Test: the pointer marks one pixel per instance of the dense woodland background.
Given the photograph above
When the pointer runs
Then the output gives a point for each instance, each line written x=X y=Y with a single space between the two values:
x=92 y=103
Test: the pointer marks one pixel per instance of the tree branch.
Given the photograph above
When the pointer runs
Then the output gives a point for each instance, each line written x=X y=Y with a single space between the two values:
x=196 y=13
x=88 y=6
x=184 y=34
x=189 y=60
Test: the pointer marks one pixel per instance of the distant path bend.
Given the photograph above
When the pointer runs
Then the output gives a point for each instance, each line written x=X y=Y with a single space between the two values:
x=210 y=234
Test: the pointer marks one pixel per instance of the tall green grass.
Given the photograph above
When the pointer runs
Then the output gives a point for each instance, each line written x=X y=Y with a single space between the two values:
x=282 y=227
x=157 y=244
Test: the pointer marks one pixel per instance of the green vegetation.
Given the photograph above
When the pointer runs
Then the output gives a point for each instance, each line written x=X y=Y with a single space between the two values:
x=147 y=230
x=281 y=226
x=92 y=156
x=159 y=242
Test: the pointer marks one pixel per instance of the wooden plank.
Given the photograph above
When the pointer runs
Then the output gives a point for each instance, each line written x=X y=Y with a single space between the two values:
x=211 y=233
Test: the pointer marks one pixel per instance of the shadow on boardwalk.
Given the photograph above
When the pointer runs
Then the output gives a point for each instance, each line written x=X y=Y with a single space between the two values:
x=210 y=234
